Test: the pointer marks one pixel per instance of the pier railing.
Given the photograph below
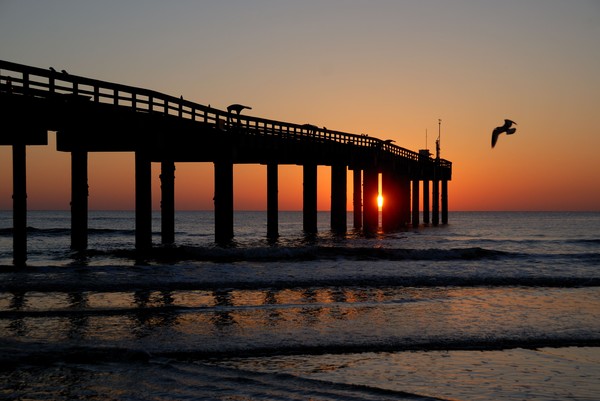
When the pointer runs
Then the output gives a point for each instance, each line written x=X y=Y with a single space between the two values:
x=46 y=83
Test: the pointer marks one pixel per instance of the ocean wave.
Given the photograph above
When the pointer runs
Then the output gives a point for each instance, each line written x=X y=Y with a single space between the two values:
x=313 y=253
x=114 y=283
x=13 y=353
x=592 y=241
x=168 y=380
x=266 y=254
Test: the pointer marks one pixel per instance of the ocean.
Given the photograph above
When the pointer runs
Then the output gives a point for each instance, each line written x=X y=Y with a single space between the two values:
x=492 y=306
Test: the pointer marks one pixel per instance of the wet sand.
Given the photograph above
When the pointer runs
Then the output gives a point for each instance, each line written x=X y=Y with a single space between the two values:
x=515 y=374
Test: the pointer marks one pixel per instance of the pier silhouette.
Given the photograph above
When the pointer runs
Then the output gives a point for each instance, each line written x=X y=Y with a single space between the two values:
x=90 y=115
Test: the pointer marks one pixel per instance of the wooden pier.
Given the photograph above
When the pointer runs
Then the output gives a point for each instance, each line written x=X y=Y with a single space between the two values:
x=96 y=116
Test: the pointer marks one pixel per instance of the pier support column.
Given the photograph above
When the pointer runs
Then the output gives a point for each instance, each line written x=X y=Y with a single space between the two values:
x=405 y=196
x=79 y=200
x=272 y=200
x=357 y=198
x=391 y=212
x=415 y=203
x=338 y=198
x=310 y=199
x=143 y=202
x=426 y=201
x=444 y=201
x=167 y=202
x=19 y=205
x=370 y=208
x=435 y=212
x=223 y=202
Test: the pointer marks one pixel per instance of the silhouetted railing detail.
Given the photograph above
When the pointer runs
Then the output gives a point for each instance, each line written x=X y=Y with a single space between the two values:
x=38 y=82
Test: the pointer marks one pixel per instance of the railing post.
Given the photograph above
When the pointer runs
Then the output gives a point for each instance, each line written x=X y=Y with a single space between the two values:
x=26 y=83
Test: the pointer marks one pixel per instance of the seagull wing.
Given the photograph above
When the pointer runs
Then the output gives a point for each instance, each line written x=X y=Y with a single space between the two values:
x=495 y=134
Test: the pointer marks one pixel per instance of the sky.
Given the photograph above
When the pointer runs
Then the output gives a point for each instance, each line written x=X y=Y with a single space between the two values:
x=389 y=69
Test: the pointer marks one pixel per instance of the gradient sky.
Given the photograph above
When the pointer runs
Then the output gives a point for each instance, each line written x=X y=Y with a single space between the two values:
x=389 y=69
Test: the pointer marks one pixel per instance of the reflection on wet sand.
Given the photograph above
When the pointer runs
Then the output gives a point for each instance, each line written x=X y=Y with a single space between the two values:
x=87 y=315
x=349 y=316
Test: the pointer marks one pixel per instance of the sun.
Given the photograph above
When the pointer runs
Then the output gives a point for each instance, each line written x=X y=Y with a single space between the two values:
x=379 y=201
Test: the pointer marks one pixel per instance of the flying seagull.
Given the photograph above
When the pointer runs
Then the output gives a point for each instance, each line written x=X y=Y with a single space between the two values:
x=503 y=129
x=237 y=108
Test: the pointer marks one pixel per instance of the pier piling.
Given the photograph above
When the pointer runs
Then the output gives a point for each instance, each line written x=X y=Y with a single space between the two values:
x=357 y=198
x=310 y=198
x=426 y=201
x=435 y=202
x=370 y=208
x=143 y=202
x=79 y=200
x=19 y=205
x=338 y=198
x=167 y=202
x=415 y=203
x=272 y=200
x=223 y=202
x=444 y=201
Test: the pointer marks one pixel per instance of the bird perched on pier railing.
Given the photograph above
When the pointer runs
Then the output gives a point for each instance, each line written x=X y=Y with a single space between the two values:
x=237 y=108
x=312 y=129
x=506 y=128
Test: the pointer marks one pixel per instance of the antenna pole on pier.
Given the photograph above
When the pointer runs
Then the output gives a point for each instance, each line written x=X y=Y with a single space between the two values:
x=439 y=140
